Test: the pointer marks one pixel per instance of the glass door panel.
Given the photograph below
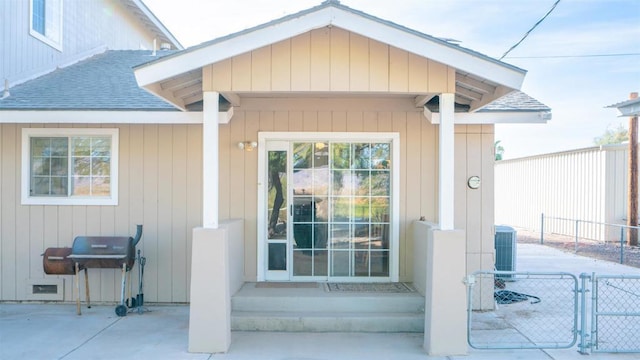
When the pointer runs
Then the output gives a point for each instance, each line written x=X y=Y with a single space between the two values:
x=328 y=210
x=277 y=214
x=310 y=186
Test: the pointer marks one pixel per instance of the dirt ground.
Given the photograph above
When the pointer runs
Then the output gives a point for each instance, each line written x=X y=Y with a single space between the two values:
x=594 y=249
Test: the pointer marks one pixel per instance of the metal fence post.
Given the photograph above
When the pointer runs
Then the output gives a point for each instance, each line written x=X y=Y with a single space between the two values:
x=621 y=244
x=576 y=246
x=542 y=229
x=584 y=335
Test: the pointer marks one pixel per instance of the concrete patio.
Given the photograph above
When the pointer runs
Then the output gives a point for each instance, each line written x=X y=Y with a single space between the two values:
x=54 y=331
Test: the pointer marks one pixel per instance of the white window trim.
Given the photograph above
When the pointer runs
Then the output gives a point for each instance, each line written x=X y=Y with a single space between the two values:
x=47 y=40
x=394 y=138
x=27 y=199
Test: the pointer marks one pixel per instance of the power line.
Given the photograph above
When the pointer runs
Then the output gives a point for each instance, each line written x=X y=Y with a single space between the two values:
x=530 y=30
x=571 y=56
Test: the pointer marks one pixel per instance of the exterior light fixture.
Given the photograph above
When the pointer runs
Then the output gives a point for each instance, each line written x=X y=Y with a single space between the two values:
x=247 y=145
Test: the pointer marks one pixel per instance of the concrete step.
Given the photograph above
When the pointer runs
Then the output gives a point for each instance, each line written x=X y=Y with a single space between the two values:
x=327 y=321
x=410 y=303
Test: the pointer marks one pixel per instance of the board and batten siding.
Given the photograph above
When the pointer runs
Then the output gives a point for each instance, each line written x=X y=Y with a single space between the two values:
x=88 y=27
x=160 y=186
x=418 y=165
x=585 y=184
x=329 y=59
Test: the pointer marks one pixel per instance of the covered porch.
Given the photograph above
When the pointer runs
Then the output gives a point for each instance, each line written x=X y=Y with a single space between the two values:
x=334 y=78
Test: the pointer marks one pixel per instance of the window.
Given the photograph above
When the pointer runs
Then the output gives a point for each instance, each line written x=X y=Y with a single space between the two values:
x=46 y=22
x=69 y=166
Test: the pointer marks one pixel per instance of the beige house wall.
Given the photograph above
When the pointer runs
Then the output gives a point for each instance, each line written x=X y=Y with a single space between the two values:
x=160 y=187
x=418 y=167
x=329 y=59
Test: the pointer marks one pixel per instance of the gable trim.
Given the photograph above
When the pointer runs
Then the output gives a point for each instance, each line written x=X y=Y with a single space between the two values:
x=334 y=15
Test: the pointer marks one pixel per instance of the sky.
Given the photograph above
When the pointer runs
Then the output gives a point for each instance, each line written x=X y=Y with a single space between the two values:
x=572 y=58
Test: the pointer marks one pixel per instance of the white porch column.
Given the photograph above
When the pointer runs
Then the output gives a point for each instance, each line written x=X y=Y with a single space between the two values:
x=446 y=159
x=210 y=160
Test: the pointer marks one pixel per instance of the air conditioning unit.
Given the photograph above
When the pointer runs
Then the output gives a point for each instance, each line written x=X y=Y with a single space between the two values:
x=505 y=245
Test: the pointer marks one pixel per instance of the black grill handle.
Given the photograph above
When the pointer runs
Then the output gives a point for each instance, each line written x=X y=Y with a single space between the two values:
x=138 y=236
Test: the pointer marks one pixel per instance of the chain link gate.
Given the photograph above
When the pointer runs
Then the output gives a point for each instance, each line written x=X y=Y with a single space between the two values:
x=614 y=316
x=522 y=310
x=541 y=310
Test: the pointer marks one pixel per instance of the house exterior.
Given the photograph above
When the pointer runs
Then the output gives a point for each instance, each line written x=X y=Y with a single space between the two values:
x=40 y=35
x=328 y=145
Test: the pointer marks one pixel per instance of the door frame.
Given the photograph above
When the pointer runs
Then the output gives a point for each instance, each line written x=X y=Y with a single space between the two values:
x=394 y=211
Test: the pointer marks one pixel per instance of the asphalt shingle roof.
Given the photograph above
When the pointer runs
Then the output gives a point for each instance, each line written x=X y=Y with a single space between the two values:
x=102 y=82
x=515 y=101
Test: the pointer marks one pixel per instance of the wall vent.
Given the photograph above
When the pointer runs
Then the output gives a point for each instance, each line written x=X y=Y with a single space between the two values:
x=45 y=289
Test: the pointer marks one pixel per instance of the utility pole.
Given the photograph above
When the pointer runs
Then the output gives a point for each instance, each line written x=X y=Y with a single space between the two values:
x=632 y=200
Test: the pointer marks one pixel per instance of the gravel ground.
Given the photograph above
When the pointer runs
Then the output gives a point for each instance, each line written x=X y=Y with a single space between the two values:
x=597 y=250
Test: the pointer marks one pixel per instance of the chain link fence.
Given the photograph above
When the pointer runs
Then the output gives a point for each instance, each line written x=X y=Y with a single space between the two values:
x=530 y=311
x=539 y=310
x=614 y=316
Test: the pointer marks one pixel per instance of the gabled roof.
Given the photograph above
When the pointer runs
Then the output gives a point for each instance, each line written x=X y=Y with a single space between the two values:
x=477 y=76
x=151 y=22
x=102 y=82
x=516 y=101
x=628 y=108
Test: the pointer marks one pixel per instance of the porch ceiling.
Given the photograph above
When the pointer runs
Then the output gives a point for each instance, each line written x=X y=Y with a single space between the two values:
x=471 y=92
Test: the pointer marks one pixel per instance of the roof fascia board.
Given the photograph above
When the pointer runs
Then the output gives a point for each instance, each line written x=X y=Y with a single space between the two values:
x=241 y=43
x=158 y=24
x=502 y=117
x=107 y=117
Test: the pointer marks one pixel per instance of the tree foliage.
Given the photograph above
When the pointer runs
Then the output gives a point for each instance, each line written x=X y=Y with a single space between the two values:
x=613 y=136
x=498 y=150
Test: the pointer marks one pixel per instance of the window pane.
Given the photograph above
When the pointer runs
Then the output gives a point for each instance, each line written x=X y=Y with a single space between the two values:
x=38 y=16
x=59 y=186
x=59 y=166
x=81 y=146
x=101 y=186
x=82 y=166
x=303 y=182
x=321 y=155
x=40 y=185
x=81 y=186
x=380 y=209
x=361 y=262
x=40 y=167
x=361 y=209
x=320 y=236
x=40 y=147
x=340 y=263
x=303 y=209
x=321 y=181
x=302 y=155
x=381 y=156
x=60 y=147
x=341 y=156
x=302 y=263
x=380 y=236
x=379 y=263
x=320 y=264
x=100 y=166
x=380 y=183
x=100 y=146
x=361 y=183
x=277 y=195
x=341 y=184
x=340 y=209
x=302 y=236
x=361 y=236
x=361 y=156
x=340 y=236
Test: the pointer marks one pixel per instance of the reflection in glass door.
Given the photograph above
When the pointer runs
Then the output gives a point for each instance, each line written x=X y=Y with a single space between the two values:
x=328 y=210
x=277 y=240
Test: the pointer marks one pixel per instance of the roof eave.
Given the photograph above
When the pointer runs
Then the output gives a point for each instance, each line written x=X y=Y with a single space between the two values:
x=497 y=117
x=157 y=23
x=330 y=15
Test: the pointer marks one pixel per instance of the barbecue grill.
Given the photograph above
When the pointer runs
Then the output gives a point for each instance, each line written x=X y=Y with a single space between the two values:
x=104 y=252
